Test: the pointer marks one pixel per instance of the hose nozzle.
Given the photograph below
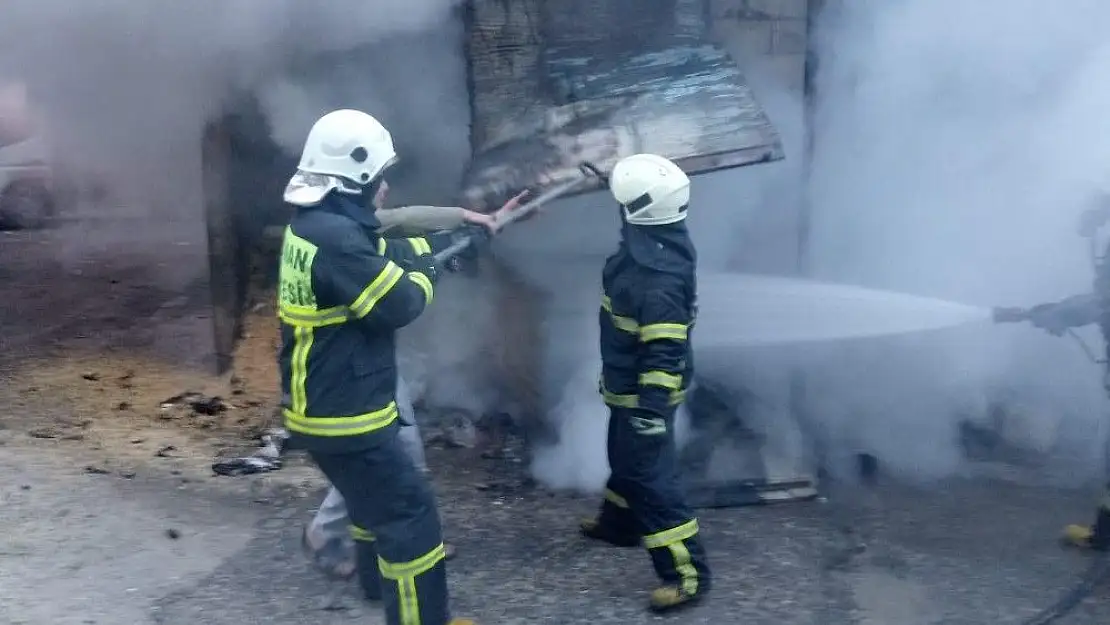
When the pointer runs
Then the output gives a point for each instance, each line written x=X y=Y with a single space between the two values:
x=1011 y=314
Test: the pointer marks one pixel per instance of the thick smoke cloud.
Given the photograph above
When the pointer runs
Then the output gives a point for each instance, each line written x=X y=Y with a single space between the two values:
x=126 y=87
x=957 y=145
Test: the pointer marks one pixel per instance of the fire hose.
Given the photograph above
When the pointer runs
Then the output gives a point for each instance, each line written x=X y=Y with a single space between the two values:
x=268 y=456
x=1098 y=571
x=527 y=209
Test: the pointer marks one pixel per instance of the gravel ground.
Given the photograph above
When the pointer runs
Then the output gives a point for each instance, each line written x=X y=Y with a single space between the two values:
x=90 y=548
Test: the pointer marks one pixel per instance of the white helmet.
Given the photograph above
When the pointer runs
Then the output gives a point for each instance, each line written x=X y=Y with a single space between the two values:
x=651 y=190
x=345 y=151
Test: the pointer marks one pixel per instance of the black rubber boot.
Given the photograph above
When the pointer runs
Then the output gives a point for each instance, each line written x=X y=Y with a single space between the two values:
x=1100 y=531
x=369 y=577
x=591 y=528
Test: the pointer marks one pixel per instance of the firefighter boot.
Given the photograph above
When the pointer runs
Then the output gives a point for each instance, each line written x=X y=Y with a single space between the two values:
x=1095 y=537
x=594 y=529
x=671 y=597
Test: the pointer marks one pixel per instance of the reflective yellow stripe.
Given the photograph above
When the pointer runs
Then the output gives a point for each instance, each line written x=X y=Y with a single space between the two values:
x=420 y=245
x=424 y=283
x=660 y=331
x=625 y=324
x=383 y=245
x=332 y=427
x=405 y=574
x=673 y=540
x=674 y=535
x=378 y=289
x=661 y=378
x=684 y=566
x=361 y=535
x=622 y=401
x=298 y=366
x=615 y=499
x=633 y=400
x=309 y=318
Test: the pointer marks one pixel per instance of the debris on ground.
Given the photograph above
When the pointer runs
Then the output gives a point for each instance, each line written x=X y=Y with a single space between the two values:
x=265 y=459
x=209 y=405
x=459 y=432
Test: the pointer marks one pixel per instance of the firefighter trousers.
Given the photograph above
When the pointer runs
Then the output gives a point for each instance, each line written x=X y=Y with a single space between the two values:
x=396 y=525
x=330 y=521
x=644 y=497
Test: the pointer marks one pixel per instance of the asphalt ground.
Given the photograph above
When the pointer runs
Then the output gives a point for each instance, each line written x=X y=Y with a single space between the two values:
x=84 y=546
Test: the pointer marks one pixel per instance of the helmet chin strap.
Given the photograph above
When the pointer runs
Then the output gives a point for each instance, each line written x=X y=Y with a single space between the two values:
x=350 y=187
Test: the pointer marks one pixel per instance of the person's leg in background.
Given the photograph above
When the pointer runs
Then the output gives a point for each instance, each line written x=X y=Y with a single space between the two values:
x=327 y=539
x=410 y=435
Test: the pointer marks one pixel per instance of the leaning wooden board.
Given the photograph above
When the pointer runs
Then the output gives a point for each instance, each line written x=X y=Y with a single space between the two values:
x=557 y=82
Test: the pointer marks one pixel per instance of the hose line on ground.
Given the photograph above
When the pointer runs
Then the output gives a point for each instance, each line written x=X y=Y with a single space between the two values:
x=1097 y=573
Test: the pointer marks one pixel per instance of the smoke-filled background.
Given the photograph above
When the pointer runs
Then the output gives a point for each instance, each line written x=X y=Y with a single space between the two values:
x=956 y=144
x=125 y=88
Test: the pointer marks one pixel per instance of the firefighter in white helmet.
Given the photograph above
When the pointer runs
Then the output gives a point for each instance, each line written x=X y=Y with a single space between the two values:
x=344 y=292
x=647 y=312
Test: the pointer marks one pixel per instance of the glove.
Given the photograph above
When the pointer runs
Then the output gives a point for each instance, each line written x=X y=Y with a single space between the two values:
x=427 y=265
x=1044 y=317
x=479 y=239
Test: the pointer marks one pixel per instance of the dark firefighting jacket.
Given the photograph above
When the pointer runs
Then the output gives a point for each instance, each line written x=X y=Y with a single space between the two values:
x=343 y=293
x=648 y=308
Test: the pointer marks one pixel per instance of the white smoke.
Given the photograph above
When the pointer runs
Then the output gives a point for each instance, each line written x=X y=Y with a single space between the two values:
x=127 y=87
x=957 y=144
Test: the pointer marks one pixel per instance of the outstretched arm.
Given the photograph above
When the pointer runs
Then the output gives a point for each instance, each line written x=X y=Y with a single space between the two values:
x=1073 y=312
x=374 y=289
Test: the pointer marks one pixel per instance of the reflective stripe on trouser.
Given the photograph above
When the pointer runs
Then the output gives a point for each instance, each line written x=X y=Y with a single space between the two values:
x=330 y=520
x=387 y=497
x=644 y=497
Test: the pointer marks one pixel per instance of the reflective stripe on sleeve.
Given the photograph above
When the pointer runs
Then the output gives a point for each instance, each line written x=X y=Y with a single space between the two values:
x=661 y=378
x=424 y=283
x=377 y=289
x=661 y=331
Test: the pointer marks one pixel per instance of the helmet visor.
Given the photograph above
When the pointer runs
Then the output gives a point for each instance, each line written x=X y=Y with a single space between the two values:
x=308 y=189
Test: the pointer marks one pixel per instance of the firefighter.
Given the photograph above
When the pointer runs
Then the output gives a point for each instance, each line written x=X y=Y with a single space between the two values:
x=343 y=293
x=327 y=538
x=647 y=311
x=1057 y=318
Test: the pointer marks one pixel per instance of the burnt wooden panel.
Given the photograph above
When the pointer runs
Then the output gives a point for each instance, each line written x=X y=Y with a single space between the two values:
x=557 y=82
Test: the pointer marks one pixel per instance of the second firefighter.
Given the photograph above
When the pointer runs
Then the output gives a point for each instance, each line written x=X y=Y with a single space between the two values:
x=647 y=312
